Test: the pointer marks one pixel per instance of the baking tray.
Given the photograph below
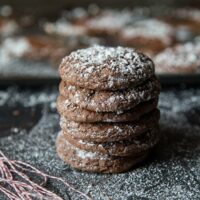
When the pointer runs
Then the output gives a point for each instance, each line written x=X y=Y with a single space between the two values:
x=175 y=79
x=165 y=79
x=40 y=73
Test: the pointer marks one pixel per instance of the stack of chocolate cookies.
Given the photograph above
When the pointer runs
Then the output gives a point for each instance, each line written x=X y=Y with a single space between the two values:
x=108 y=106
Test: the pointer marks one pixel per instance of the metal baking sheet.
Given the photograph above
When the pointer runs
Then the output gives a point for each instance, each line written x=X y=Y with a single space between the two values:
x=165 y=79
x=174 y=79
x=41 y=73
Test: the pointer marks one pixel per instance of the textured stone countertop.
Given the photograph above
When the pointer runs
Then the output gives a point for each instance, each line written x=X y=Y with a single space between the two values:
x=29 y=125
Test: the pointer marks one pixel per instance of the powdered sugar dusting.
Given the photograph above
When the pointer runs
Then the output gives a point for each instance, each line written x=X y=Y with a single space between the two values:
x=146 y=141
x=120 y=60
x=87 y=154
x=103 y=101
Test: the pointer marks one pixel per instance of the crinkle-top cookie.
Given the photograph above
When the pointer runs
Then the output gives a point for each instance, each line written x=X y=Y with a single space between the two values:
x=106 y=68
x=111 y=101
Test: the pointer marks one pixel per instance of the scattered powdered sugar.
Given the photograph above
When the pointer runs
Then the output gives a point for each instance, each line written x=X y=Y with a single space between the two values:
x=27 y=98
x=4 y=96
x=171 y=172
x=183 y=55
x=149 y=28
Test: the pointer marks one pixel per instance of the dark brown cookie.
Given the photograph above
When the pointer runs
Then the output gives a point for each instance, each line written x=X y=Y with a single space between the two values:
x=106 y=68
x=109 y=132
x=111 y=101
x=188 y=18
x=74 y=113
x=183 y=58
x=8 y=27
x=152 y=35
x=138 y=144
x=94 y=162
x=108 y=22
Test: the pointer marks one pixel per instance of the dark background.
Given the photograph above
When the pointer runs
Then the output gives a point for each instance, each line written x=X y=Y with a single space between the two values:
x=48 y=7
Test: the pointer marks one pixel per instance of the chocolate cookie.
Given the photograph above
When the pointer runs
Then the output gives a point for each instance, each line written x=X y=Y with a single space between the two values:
x=111 y=101
x=106 y=68
x=185 y=17
x=109 y=132
x=138 y=144
x=183 y=58
x=152 y=34
x=94 y=162
x=8 y=27
x=108 y=22
x=77 y=114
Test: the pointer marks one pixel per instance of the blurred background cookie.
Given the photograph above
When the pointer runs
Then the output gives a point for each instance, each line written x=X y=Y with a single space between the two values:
x=149 y=35
x=180 y=59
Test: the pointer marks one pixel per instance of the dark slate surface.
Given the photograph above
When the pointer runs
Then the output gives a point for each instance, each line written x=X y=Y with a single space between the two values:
x=29 y=125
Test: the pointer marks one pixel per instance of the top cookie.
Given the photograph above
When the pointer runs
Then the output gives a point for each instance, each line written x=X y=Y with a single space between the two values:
x=106 y=68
